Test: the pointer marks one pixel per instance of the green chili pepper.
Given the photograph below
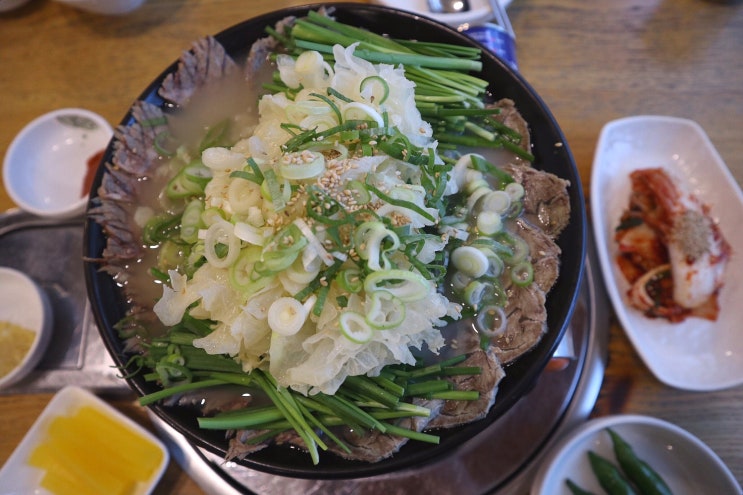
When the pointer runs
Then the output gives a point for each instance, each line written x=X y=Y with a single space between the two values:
x=647 y=480
x=575 y=489
x=609 y=476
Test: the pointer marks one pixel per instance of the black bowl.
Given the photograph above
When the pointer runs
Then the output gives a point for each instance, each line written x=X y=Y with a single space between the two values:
x=109 y=304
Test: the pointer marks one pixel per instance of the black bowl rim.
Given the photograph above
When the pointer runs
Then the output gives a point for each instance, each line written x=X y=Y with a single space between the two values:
x=282 y=461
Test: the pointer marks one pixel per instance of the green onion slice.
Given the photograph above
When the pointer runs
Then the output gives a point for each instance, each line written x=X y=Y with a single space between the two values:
x=377 y=89
x=384 y=311
x=404 y=285
x=354 y=327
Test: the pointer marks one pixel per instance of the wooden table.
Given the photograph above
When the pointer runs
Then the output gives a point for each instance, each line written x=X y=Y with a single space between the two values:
x=590 y=61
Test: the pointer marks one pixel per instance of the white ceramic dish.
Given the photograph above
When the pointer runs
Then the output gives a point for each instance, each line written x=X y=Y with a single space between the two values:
x=480 y=11
x=685 y=463
x=24 y=303
x=46 y=164
x=696 y=354
x=6 y=5
x=105 y=7
x=17 y=476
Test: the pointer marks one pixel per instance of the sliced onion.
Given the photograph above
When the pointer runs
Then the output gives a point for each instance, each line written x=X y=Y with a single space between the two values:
x=384 y=310
x=406 y=286
x=489 y=222
x=302 y=165
x=221 y=232
x=491 y=321
x=286 y=316
x=252 y=235
x=361 y=111
x=496 y=201
x=315 y=243
x=470 y=260
x=218 y=158
x=354 y=327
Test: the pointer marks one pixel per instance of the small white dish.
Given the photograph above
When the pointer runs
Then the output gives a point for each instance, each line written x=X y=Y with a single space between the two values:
x=25 y=304
x=17 y=476
x=480 y=11
x=46 y=165
x=696 y=354
x=686 y=464
x=105 y=7
x=6 y=5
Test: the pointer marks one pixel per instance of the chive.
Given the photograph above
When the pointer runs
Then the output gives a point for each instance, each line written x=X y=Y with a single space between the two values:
x=177 y=389
x=356 y=33
x=401 y=203
x=367 y=386
x=388 y=385
x=456 y=395
x=242 y=419
x=299 y=425
x=428 y=387
x=331 y=104
x=461 y=370
x=411 y=434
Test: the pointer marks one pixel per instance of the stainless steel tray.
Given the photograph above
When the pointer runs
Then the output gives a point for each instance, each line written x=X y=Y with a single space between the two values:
x=50 y=252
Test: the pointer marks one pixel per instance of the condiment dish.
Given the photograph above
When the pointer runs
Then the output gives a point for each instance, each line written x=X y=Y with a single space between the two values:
x=480 y=11
x=76 y=410
x=695 y=354
x=22 y=304
x=685 y=463
x=105 y=7
x=46 y=165
x=7 y=5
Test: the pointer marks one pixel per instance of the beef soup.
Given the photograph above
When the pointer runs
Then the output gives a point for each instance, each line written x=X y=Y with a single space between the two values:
x=226 y=72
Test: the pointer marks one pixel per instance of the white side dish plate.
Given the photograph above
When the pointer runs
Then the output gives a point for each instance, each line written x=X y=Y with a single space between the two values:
x=480 y=11
x=685 y=463
x=17 y=476
x=696 y=354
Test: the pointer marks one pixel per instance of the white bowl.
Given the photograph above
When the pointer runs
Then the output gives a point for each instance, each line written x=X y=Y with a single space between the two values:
x=6 y=5
x=480 y=11
x=106 y=7
x=46 y=165
x=685 y=463
x=19 y=476
x=23 y=303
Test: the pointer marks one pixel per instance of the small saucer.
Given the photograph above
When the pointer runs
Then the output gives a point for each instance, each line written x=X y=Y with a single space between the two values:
x=47 y=163
x=24 y=304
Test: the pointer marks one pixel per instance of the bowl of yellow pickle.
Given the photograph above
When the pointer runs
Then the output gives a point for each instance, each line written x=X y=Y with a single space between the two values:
x=25 y=325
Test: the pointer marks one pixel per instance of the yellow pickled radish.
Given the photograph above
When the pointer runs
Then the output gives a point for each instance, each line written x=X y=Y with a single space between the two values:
x=113 y=447
x=69 y=468
x=88 y=452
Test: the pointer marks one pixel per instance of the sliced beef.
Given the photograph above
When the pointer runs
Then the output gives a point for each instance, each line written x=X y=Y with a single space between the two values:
x=373 y=446
x=453 y=412
x=134 y=150
x=544 y=252
x=510 y=116
x=205 y=62
x=546 y=202
x=240 y=446
x=134 y=158
x=527 y=322
x=262 y=49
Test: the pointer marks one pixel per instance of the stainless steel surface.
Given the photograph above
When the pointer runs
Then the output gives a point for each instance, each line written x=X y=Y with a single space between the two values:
x=502 y=459
x=50 y=252
x=448 y=6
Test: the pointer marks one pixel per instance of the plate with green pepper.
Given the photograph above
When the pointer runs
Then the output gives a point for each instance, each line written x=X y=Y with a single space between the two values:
x=632 y=454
